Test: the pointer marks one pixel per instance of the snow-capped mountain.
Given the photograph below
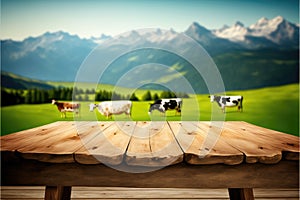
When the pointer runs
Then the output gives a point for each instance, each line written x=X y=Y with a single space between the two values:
x=278 y=30
x=145 y=36
x=58 y=56
x=48 y=42
x=212 y=43
x=234 y=33
x=264 y=33
x=101 y=39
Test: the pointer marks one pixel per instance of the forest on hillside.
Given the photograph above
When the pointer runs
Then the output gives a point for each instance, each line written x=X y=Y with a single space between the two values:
x=38 y=96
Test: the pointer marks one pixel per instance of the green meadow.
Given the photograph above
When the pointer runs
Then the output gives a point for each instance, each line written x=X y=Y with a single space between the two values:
x=276 y=108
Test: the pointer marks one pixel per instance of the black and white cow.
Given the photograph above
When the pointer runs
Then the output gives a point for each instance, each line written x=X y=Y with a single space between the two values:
x=163 y=105
x=228 y=101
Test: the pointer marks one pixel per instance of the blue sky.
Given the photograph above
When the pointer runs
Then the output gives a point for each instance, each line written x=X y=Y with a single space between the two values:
x=86 y=18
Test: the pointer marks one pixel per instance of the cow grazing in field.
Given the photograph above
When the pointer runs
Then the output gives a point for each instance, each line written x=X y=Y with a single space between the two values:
x=64 y=107
x=109 y=108
x=228 y=101
x=163 y=105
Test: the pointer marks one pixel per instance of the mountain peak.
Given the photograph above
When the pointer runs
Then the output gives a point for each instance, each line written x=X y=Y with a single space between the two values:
x=279 y=19
x=264 y=26
x=158 y=31
x=195 y=24
x=276 y=31
x=266 y=22
x=197 y=28
x=263 y=20
x=238 y=23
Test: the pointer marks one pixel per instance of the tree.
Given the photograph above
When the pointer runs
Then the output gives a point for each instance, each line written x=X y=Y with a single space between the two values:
x=116 y=96
x=182 y=95
x=155 y=97
x=86 y=97
x=28 y=97
x=147 y=96
x=167 y=94
x=9 y=97
x=69 y=94
x=134 y=97
x=87 y=91
x=44 y=96
x=33 y=96
x=79 y=98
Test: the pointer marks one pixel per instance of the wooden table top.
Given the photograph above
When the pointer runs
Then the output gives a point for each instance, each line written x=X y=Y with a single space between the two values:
x=151 y=143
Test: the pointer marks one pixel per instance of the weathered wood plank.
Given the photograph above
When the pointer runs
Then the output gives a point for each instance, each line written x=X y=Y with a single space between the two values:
x=203 y=148
x=61 y=142
x=108 y=145
x=54 y=143
x=286 y=143
x=21 y=192
x=28 y=172
x=13 y=141
x=153 y=145
x=58 y=148
x=164 y=147
x=37 y=192
x=139 y=150
x=256 y=149
x=89 y=136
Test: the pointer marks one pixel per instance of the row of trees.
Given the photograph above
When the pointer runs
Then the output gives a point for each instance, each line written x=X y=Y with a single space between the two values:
x=36 y=96
x=104 y=95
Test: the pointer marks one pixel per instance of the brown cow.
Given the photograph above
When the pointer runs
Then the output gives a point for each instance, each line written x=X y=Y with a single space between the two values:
x=64 y=107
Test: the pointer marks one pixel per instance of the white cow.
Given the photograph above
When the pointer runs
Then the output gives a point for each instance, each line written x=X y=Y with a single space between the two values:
x=109 y=108
x=228 y=101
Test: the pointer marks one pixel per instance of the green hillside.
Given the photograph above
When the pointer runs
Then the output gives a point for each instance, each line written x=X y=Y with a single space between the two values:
x=240 y=70
x=273 y=107
x=256 y=69
x=13 y=81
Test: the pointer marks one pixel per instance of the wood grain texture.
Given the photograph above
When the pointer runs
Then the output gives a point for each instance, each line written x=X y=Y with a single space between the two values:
x=87 y=133
x=106 y=144
x=153 y=145
x=203 y=147
x=255 y=175
x=256 y=149
x=53 y=143
x=150 y=144
x=85 y=193
x=288 y=144
x=182 y=154
x=139 y=150
x=164 y=146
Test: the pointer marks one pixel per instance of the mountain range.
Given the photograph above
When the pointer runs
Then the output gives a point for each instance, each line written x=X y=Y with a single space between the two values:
x=276 y=32
x=263 y=54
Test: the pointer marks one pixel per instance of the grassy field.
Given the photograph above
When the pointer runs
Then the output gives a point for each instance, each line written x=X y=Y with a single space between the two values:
x=274 y=107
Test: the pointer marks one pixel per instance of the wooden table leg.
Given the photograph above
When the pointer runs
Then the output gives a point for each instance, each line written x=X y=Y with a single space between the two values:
x=241 y=194
x=58 y=192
